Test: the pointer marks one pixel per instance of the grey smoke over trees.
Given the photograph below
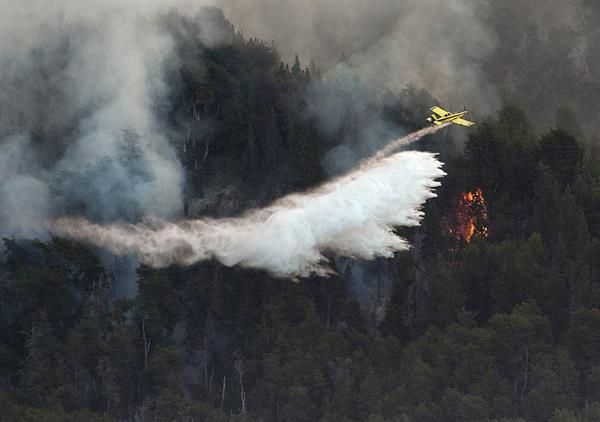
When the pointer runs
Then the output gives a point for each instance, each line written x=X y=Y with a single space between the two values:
x=367 y=51
x=385 y=45
x=81 y=124
x=85 y=98
x=537 y=54
x=84 y=129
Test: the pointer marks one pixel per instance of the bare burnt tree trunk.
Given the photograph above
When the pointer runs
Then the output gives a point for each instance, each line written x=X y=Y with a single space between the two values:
x=206 y=376
x=329 y=306
x=526 y=372
x=206 y=150
x=31 y=344
x=210 y=383
x=379 y=263
x=239 y=366
x=223 y=391
x=141 y=377
x=146 y=344
x=195 y=112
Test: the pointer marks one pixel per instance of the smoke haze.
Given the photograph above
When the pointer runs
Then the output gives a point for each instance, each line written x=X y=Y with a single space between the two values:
x=387 y=44
x=83 y=130
x=540 y=55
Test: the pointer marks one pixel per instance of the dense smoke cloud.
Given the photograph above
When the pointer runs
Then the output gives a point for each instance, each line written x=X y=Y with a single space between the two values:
x=539 y=55
x=438 y=45
x=23 y=191
x=80 y=128
x=353 y=215
x=83 y=126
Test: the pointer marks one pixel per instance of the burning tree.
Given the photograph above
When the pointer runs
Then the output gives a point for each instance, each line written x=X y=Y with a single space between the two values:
x=469 y=217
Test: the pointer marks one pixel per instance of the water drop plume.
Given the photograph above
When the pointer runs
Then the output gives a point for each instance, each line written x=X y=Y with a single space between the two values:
x=353 y=215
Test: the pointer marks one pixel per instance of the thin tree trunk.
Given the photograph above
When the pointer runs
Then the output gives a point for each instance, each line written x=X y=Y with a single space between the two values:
x=206 y=376
x=206 y=150
x=146 y=344
x=329 y=306
x=240 y=369
x=223 y=391
x=212 y=372
x=379 y=281
x=526 y=376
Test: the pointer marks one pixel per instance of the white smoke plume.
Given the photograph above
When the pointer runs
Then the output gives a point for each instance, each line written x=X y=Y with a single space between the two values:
x=83 y=128
x=352 y=215
x=83 y=93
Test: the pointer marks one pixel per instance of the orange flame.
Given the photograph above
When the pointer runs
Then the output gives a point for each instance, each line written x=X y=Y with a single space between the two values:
x=471 y=216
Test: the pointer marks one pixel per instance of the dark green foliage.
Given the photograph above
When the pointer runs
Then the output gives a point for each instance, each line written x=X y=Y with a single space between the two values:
x=499 y=159
x=562 y=154
x=241 y=112
x=408 y=107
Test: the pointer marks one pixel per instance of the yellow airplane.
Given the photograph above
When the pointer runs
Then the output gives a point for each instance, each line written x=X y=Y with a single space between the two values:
x=440 y=116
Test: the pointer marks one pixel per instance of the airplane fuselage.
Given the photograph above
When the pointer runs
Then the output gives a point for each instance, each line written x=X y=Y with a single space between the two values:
x=448 y=118
x=440 y=116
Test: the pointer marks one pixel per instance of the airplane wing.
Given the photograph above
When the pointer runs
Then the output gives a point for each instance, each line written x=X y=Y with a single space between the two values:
x=439 y=111
x=463 y=122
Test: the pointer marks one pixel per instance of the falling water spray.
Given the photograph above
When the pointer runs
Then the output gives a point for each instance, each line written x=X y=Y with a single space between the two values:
x=353 y=215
